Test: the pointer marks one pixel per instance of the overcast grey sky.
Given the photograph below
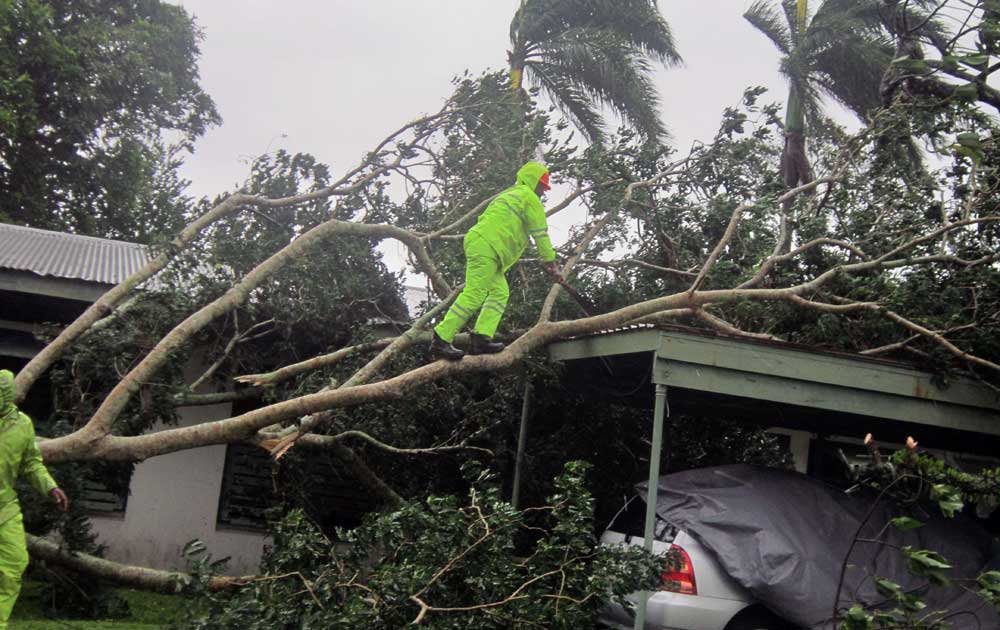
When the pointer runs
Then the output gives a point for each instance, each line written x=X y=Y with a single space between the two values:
x=333 y=77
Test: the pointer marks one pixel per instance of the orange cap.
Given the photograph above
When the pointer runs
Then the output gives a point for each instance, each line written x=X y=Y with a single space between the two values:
x=544 y=181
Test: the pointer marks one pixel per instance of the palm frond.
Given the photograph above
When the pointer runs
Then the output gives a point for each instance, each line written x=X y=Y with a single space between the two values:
x=573 y=102
x=852 y=14
x=637 y=22
x=763 y=16
x=850 y=70
x=611 y=73
x=928 y=26
x=595 y=53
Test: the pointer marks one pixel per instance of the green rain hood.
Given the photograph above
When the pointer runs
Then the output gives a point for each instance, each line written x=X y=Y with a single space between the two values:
x=515 y=216
x=19 y=454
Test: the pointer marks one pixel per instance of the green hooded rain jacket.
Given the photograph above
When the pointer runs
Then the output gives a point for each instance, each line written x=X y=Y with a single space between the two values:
x=514 y=216
x=19 y=454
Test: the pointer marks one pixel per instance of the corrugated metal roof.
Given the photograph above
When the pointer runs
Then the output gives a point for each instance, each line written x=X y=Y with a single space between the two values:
x=775 y=343
x=70 y=256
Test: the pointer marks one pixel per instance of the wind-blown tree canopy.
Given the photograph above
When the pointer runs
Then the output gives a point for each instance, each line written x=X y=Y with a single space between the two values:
x=590 y=54
x=839 y=51
x=90 y=94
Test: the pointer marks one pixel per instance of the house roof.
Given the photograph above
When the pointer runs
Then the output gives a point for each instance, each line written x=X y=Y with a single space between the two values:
x=69 y=256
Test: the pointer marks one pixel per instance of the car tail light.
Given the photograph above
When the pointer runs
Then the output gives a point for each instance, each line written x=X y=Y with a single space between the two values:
x=679 y=579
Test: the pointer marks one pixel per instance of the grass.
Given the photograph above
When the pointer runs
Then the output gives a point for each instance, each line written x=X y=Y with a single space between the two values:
x=150 y=611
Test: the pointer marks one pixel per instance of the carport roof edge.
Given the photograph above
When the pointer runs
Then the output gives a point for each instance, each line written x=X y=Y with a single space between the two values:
x=793 y=377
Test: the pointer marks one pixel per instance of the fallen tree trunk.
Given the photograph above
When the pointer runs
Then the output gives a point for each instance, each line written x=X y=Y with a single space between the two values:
x=170 y=582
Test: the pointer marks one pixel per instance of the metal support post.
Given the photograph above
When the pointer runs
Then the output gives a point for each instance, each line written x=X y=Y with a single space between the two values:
x=522 y=438
x=654 y=479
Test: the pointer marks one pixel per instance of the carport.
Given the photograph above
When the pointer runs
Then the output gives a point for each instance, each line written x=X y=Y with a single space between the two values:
x=775 y=384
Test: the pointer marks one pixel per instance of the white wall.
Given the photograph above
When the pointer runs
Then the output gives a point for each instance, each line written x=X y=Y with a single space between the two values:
x=174 y=498
x=798 y=444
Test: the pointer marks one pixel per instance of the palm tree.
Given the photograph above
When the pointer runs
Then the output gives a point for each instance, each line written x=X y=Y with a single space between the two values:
x=840 y=51
x=588 y=54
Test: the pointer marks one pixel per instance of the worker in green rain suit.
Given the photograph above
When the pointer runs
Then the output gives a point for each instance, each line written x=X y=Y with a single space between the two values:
x=492 y=246
x=19 y=455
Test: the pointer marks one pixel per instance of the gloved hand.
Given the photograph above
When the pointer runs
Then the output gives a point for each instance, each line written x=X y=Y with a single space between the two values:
x=553 y=269
x=62 y=501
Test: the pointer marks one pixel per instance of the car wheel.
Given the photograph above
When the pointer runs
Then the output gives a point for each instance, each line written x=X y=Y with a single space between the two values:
x=757 y=619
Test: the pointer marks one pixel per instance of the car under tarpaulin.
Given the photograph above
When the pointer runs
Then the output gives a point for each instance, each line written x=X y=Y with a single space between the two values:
x=788 y=538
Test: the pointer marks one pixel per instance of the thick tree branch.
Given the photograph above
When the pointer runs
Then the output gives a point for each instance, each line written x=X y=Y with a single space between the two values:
x=190 y=399
x=365 y=374
x=171 y=582
x=85 y=444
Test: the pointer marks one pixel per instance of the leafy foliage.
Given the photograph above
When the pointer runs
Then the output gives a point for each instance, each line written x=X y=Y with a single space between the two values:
x=453 y=564
x=910 y=479
x=89 y=94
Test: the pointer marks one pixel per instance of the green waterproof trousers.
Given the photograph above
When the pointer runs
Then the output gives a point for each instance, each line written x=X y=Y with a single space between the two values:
x=485 y=289
x=13 y=561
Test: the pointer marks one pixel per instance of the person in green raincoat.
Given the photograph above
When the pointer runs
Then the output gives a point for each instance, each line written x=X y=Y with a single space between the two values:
x=492 y=246
x=19 y=455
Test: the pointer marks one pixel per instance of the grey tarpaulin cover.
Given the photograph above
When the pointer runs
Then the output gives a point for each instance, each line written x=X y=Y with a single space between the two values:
x=784 y=537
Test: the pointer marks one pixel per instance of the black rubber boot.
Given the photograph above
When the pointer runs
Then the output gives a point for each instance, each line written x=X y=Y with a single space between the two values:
x=481 y=344
x=441 y=349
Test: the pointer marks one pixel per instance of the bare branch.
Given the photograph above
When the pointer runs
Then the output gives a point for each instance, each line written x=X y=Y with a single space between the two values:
x=722 y=325
x=270 y=441
x=190 y=399
x=734 y=221
x=237 y=339
x=316 y=363
x=936 y=337
x=631 y=262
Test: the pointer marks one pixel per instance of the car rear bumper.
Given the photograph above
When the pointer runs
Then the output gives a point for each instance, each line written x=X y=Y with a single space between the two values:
x=674 y=611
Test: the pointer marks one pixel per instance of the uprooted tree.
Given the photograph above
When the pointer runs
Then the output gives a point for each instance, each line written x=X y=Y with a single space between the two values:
x=877 y=255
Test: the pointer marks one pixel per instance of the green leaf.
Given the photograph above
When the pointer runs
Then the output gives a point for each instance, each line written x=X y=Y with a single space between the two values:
x=969 y=139
x=948 y=498
x=908 y=64
x=888 y=588
x=857 y=618
x=973 y=154
x=913 y=603
x=967 y=92
x=928 y=564
x=905 y=523
x=990 y=581
x=975 y=61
